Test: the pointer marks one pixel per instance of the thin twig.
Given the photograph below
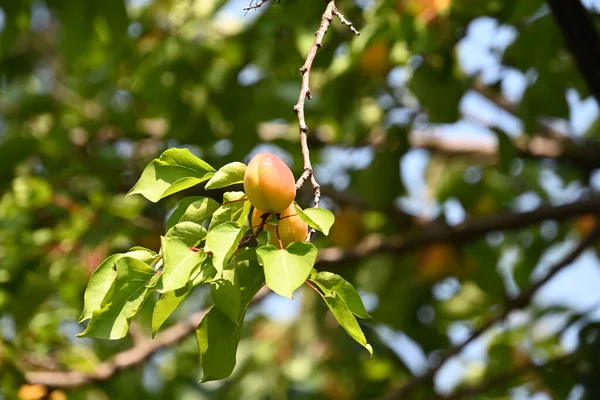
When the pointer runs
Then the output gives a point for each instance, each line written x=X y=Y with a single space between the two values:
x=258 y=4
x=344 y=21
x=519 y=302
x=305 y=93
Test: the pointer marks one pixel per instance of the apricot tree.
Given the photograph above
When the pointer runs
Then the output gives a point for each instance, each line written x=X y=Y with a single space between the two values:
x=214 y=244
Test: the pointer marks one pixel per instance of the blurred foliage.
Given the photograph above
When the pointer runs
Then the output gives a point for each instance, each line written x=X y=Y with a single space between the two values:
x=90 y=92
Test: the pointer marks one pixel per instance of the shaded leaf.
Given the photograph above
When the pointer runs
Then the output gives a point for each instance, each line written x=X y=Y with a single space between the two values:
x=234 y=209
x=195 y=209
x=225 y=292
x=166 y=305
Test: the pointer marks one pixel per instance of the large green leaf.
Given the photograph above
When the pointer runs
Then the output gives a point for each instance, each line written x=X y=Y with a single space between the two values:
x=332 y=283
x=126 y=298
x=318 y=218
x=227 y=175
x=103 y=277
x=218 y=335
x=173 y=171
x=218 y=339
x=222 y=242
x=346 y=319
x=225 y=292
x=178 y=263
x=195 y=209
x=166 y=305
x=187 y=232
x=286 y=270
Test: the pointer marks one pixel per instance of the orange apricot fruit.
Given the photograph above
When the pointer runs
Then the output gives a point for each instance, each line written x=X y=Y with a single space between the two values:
x=291 y=227
x=269 y=183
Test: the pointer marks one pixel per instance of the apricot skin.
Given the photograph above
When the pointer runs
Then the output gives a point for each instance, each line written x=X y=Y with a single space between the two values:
x=269 y=183
x=291 y=229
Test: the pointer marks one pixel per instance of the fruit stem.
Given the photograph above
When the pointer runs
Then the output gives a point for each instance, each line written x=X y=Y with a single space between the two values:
x=315 y=289
x=278 y=237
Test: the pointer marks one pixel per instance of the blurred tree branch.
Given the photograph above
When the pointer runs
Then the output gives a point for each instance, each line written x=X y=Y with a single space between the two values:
x=136 y=355
x=433 y=232
x=519 y=302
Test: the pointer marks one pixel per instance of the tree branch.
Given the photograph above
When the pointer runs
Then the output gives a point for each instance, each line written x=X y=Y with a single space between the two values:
x=136 y=355
x=468 y=230
x=433 y=232
x=519 y=302
x=305 y=93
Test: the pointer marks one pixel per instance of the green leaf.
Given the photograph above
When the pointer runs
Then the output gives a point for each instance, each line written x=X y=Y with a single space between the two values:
x=286 y=270
x=227 y=175
x=251 y=278
x=225 y=292
x=178 y=263
x=127 y=297
x=218 y=340
x=332 y=283
x=187 y=232
x=237 y=211
x=166 y=305
x=346 y=319
x=205 y=273
x=195 y=209
x=173 y=171
x=218 y=336
x=318 y=218
x=222 y=242
x=103 y=278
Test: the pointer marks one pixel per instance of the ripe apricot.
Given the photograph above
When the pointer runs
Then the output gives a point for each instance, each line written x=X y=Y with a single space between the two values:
x=437 y=261
x=374 y=61
x=291 y=227
x=269 y=183
x=585 y=224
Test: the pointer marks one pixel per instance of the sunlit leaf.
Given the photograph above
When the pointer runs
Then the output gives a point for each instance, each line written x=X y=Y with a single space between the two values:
x=227 y=175
x=318 y=218
x=179 y=263
x=103 y=278
x=332 y=283
x=286 y=270
x=175 y=170
x=130 y=292
x=222 y=241
x=189 y=233
x=346 y=319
